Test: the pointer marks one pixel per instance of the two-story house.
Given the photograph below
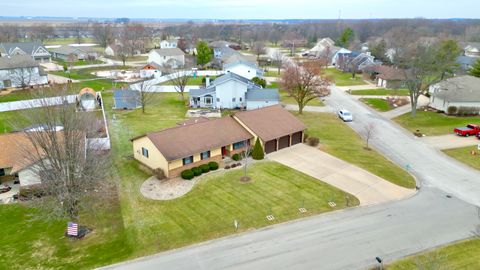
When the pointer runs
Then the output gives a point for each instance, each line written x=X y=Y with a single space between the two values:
x=21 y=71
x=245 y=69
x=34 y=49
x=172 y=57
x=168 y=44
x=232 y=91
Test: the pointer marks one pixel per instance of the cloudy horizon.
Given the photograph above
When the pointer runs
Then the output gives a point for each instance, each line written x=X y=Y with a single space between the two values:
x=244 y=9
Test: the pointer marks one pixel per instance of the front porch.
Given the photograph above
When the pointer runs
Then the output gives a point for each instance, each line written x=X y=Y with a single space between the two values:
x=206 y=101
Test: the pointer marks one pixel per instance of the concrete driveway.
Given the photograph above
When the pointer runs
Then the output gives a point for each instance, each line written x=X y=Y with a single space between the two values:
x=368 y=188
x=449 y=141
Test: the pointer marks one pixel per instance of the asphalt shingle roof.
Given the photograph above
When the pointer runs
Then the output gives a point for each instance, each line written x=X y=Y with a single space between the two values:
x=17 y=61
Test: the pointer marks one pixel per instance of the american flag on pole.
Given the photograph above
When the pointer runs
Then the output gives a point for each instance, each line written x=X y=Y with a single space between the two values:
x=72 y=229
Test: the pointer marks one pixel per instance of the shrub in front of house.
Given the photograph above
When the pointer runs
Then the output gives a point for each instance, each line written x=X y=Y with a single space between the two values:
x=313 y=141
x=452 y=110
x=159 y=174
x=257 y=152
x=227 y=167
x=213 y=165
x=187 y=175
x=236 y=157
x=197 y=171
x=233 y=165
x=305 y=137
x=205 y=168
x=239 y=164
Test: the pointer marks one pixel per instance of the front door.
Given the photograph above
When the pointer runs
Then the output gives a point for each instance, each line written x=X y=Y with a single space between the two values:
x=224 y=151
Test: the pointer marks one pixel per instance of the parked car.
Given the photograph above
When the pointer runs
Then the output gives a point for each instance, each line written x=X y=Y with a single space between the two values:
x=470 y=129
x=345 y=115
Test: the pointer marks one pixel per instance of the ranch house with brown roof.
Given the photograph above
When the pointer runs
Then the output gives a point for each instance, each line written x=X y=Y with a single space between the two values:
x=194 y=143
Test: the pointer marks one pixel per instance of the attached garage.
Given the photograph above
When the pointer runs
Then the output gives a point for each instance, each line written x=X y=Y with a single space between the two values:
x=274 y=125
x=297 y=137
x=271 y=146
x=284 y=142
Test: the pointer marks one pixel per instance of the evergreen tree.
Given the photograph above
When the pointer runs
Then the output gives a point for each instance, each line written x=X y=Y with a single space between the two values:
x=475 y=69
x=257 y=152
x=204 y=53
x=346 y=38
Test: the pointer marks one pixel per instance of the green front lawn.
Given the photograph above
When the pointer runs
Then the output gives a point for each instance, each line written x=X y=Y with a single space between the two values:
x=459 y=256
x=135 y=58
x=83 y=74
x=378 y=104
x=380 y=92
x=343 y=79
x=464 y=155
x=433 y=123
x=285 y=98
x=338 y=139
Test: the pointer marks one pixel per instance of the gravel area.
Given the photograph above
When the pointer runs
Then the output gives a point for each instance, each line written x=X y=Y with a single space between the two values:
x=166 y=190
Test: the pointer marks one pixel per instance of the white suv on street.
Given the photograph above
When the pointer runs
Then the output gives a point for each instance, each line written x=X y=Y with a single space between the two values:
x=345 y=115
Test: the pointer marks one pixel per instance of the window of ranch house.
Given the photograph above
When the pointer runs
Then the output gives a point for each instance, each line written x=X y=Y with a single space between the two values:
x=205 y=155
x=187 y=160
x=238 y=145
x=145 y=152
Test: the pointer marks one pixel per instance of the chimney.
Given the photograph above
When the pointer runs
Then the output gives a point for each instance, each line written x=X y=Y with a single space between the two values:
x=207 y=81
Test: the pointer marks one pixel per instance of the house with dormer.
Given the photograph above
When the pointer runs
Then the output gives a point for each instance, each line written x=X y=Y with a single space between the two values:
x=232 y=91
x=36 y=50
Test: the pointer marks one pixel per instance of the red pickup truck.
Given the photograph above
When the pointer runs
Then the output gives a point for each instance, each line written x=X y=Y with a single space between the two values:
x=468 y=130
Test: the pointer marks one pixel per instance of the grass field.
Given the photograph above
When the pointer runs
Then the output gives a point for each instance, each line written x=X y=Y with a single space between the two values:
x=66 y=41
x=192 y=80
x=464 y=155
x=343 y=79
x=378 y=104
x=380 y=92
x=77 y=63
x=459 y=256
x=285 y=98
x=337 y=139
x=135 y=58
x=272 y=74
x=135 y=226
x=432 y=123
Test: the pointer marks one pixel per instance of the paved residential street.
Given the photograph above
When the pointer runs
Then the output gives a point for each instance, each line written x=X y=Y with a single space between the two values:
x=351 y=239
x=368 y=188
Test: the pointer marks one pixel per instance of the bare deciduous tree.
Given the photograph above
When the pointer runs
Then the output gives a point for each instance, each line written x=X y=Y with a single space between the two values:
x=23 y=77
x=369 y=133
x=103 y=33
x=72 y=170
x=77 y=29
x=179 y=79
x=278 y=59
x=146 y=95
x=258 y=48
x=245 y=156
x=305 y=83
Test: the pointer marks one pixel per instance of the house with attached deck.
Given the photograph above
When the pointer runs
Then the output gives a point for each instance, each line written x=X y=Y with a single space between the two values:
x=198 y=142
x=232 y=91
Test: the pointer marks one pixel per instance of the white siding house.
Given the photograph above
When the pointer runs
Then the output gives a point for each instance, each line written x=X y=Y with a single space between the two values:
x=20 y=71
x=174 y=58
x=233 y=91
x=245 y=69
x=168 y=44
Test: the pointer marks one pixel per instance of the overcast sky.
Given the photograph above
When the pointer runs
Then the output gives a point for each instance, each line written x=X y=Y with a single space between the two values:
x=243 y=9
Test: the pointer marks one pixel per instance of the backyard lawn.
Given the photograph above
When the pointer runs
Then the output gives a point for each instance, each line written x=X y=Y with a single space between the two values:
x=378 y=104
x=192 y=80
x=433 y=123
x=77 y=63
x=271 y=73
x=459 y=256
x=339 y=140
x=380 y=92
x=66 y=41
x=463 y=155
x=343 y=79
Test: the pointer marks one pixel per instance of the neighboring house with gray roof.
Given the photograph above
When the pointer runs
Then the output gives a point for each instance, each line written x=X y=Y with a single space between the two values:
x=168 y=43
x=455 y=93
x=20 y=71
x=171 y=57
x=245 y=69
x=465 y=63
x=34 y=49
x=232 y=91
x=72 y=53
